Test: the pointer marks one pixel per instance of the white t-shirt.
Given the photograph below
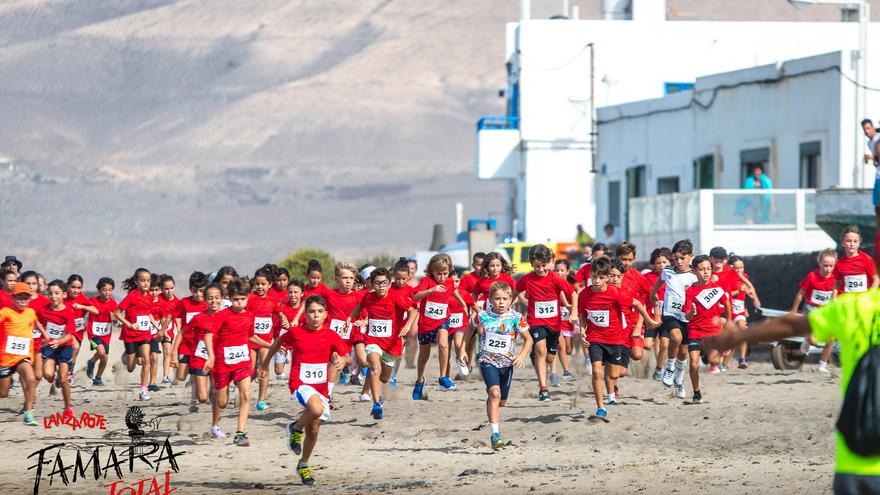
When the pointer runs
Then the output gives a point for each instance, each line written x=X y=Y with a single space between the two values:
x=676 y=285
x=870 y=146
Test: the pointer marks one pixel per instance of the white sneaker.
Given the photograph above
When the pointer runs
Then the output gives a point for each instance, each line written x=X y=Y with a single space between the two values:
x=282 y=377
x=463 y=368
x=167 y=379
x=216 y=432
x=143 y=395
x=824 y=368
x=667 y=377
x=365 y=398
x=679 y=391
x=611 y=400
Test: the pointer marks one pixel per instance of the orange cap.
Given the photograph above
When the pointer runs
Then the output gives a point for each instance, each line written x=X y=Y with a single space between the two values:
x=21 y=288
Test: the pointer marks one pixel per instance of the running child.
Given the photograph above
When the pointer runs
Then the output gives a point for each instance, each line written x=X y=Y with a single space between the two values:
x=495 y=269
x=58 y=320
x=171 y=322
x=434 y=293
x=224 y=276
x=314 y=351
x=637 y=286
x=184 y=345
x=660 y=259
x=80 y=304
x=234 y=334
x=705 y=302
x=383 y=342
x=498 y=328
x=562 y=268
x=135 y=314
x=278 y=291
x=200 y=333
x=582 y=276
x=17 y=326
x=600 y=307
x=410 y=343
x=100 y=328
x=9 y=279
x=263 y=308
x=38 y=302
x=157 y=331
x=286 y=313
x=456 y=325
x=632 y=324
x=673 y=330
x=739 y=286
x=816 y=290
x=541 y=290
x=314 y=279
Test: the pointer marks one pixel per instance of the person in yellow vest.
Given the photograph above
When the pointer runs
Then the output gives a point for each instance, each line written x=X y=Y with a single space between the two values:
x=18 y=325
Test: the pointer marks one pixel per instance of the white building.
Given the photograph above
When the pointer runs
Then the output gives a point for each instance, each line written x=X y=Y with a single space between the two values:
x=559 y=70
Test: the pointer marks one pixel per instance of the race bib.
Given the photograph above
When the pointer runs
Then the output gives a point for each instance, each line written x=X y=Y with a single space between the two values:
x=20 y=346
x=143 y=323
x=456 y=320
x=100 y=329
x=263 y=325
x=738 y=306
x=380 y=328
x=497 y=343
x=202 y=350
x=676 y=305
x=435 y=311
x=855 y=283
x=190 y=316
x=338 y=326
x=236 y=354
x=820 y=297
x=311 y=374
x=598 y=318
x=55 y=331
x=80 y=324
x=710 y=297
x=546 y=309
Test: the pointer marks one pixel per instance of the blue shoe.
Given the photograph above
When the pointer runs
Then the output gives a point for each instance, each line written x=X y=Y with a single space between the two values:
x=98 y=382
x=658 y=375
x=496 y=441
x=446 y=383
x=601 y=413
x=90 y=369
x=417 y=390
x=364 y=372
x=343 y=378
x=393 y=382
x=377 y=411
x=261 y=406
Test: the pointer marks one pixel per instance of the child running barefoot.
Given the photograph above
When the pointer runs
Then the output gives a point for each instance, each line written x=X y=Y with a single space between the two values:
x=264 y=309
x=286 y=313
x=704 y=303
x=58 y=320
x=541 y=290
x=137 y=321
x=314 y=350
x=660 y=259
x=383 y=339
x=600 y=307
x=498 y=328
x=816 y=290
x=673 y=330
x=434 y=292
x=17 y=326
x=200 y=333
x=81 y=305
x=99 y=329
x=235 y=331
x=184 y=344
x=738 y=288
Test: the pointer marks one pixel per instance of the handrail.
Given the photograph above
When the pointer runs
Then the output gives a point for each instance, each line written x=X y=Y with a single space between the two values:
x=511 y=122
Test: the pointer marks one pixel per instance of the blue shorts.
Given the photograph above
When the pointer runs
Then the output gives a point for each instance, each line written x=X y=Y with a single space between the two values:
x=497 y=377
x=59 y=354
x=877 y=192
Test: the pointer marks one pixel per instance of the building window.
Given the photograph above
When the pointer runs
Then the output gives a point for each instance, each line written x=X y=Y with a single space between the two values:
x=849 y=14
x=758 y=157
x=614 y=203
x=635 y=182
x=667 y=185
x=704 y=172
x=811 y=158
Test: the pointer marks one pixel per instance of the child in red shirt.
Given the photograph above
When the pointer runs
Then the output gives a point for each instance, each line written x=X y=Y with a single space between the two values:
x=704 y=304
x=38 y=303
x=817 y=290
x=169 y=304
x=135 y=313
x=200 y=332
x=184 y=343
x=286 y=312
x=660 y=259
x=58 y=320
x=459 y=317
x=562 y=268
x=263 y=307
x=100 y=329
x=80 y=304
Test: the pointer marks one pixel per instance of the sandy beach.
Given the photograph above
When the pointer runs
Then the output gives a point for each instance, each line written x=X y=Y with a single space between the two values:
x=759 y=431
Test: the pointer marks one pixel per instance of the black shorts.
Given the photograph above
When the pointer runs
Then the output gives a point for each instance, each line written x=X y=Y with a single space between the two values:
x=183 y=358
x=670 y=323
x=605 y=353
x=651 y=333
x=428 y=338
x=695 y=345
x=97 y=342
x=135 y=347
x=155 y=348
x=545 y=333
x=198 y=372
x=624 y=356
x=166 y=340
x=7 y=371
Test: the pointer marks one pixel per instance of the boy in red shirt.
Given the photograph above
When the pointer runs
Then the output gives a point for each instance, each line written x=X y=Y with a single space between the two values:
x=100 y=329
x=184 y=345
x=541 y=290
x=200 y=332
x=315 y=349
x=704 y=304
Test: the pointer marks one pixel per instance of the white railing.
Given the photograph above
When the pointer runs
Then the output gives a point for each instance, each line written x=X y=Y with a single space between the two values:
x=744 y=221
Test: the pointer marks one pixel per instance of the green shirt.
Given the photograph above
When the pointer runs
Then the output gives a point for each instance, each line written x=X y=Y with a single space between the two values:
x=850 y=320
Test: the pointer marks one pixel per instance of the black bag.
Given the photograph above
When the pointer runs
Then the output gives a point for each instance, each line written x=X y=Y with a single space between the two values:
x=859 y=420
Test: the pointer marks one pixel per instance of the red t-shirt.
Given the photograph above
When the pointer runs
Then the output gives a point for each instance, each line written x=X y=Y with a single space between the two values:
x=170 y=308
x=339 y=307
x=403 y=315
x=79 y=314
x=100 y=325
x=543 y=295
x=817 y=290
x=310 y=352
x=856 y=273
x=279 y=296
x=640 y=289
x=290 y=313
x=231 y=340
x=583 y=274
x=382 y=327
x=201 y=324
x=434 y=309
x=481 y=290
x=58 y=322
x=652 y=277
x=319 y=290
x=458 y=315
x=186 y=311
x=37 y=304
x=710 y=301
x=137 y=308
x=263 y=309
x=602 y=311
x=564 y=312
x=5 y=299
x=468 y=283
x=737 y=302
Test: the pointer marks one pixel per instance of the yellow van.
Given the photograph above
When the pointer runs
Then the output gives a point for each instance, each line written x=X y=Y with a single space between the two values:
x=518 y=254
